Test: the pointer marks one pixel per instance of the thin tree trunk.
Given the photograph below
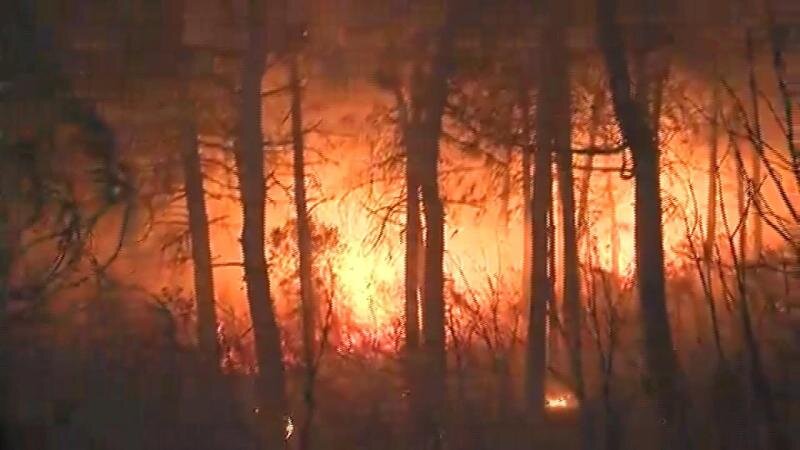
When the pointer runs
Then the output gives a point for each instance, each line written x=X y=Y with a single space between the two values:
x=433 y=310
x=414 y=252
x=434 y=97
x=505 y=195
x=9 y=239
x=741 y=205
x=555 y=332
x=542 y=284
x=562 y=109
x=713 y=168
x=711 y=222
x=252 y=185
x=304 y=248
x=414 y=265
x=201 y=248
x=759 y=383
x=527 y=189
x=758 y=151
x=414 y=246
x=662 y=365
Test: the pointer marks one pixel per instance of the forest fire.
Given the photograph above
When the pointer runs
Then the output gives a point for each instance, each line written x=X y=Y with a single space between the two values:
x=559 y=402
x=439 y=225
x=366 y=261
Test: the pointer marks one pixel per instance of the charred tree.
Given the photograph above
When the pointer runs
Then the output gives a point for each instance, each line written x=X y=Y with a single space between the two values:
x=638 y=131
x=713 y=168
x=10 y=194
x=199 y=234
x=413 y=245
x=757 y=377
x=711 y=221
x=409 y=128
x=413 y=289
x=527 y=185
x=586 y=183
x=304 y=248
x=201 y=247
x=758 y=151
x=301 y=210
x=541 y=280
x=249 y=157
x=429 y=102
x=562 y=143
x=412 y=260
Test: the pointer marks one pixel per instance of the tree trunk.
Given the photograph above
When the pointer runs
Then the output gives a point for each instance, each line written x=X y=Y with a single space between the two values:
x=566 y=187
x=14 y=207
x=542 y=285
x=252 y=185
x=505 y=195
x=757 y=377
x=555 y=332
x=662 y=365
x=433 y=310
x=713 y=168
x=758 y=151
x=413 y=291
x=414 y=264
x=8 y=243
x=413 y=247
x=201 y=249
x=527 y=191
x=711 y=222
x=430 y=113
x=304 y=248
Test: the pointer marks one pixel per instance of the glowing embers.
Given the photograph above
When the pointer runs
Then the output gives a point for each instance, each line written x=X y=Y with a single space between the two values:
x=560 y=401
x=289 y=428
x=289 y=424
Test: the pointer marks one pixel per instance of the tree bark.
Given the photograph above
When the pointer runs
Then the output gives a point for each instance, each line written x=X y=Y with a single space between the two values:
x=562 y=115
x=713 y=168
x=252 y=185
x=527 y=191
x=9 y=241
x=711 y=221
x=757 y=377
x=201 y=248
x=542 y=284
x=413 y=247
x=758 y=151
x=304 y=248
x=301 y=209
x=429 y=115
x=413 y=292
x=662 y=365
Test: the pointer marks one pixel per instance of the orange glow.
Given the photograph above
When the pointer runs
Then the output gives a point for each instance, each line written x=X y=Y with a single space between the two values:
x=482 y=249
x=558 y=402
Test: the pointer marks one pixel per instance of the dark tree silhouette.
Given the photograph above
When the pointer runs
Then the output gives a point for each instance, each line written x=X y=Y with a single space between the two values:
x=541 y=277
x=638 y=131
x=270 y=384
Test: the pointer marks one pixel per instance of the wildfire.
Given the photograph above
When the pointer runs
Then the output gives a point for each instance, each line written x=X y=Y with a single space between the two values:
x=558 y=402
x=480 y=249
